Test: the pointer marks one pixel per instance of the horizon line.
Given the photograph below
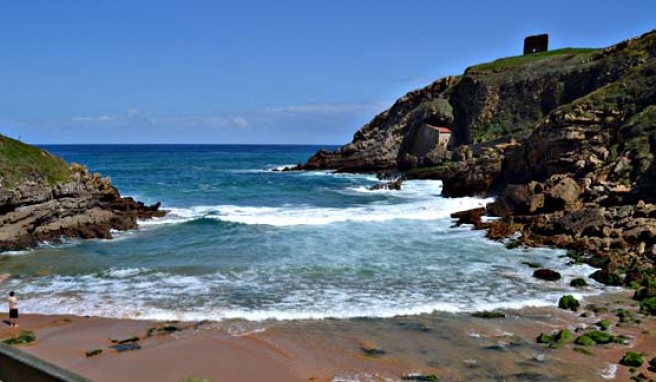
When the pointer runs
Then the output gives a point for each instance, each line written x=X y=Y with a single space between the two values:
x=184 y=144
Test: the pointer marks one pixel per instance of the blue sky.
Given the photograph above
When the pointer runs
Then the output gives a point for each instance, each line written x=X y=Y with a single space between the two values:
x=138 y=71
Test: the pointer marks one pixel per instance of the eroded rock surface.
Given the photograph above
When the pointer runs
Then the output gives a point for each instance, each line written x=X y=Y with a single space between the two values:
x=86 y=206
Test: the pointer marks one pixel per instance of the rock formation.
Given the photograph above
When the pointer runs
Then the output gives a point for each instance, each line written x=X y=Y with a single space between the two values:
x=564 y=139
x=34 y=209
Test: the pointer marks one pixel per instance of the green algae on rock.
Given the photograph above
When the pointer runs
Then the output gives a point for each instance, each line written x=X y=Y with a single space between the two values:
x=568 y=302
x=649 y=306
x=632 y=359
x=585 y=340
x=565 y=337
x=544 y=338
x=603 y=324
x=24 y=337
x=578 y=282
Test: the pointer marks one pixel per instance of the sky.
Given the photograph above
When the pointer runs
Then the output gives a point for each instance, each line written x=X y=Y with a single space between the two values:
x=258 y=72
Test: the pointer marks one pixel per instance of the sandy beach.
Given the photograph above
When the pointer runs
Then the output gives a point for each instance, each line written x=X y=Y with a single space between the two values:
x=451 y=347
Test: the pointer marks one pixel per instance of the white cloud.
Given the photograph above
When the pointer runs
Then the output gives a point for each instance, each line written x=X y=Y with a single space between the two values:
x=240 y=122
x=102 y=118
x=308 y=123
x=135 y=118
x=330 y=109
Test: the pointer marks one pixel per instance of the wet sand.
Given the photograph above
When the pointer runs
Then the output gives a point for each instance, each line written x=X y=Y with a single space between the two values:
x=453 y=347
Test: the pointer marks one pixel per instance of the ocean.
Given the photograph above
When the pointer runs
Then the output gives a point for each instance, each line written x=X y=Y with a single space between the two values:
x=242 y=241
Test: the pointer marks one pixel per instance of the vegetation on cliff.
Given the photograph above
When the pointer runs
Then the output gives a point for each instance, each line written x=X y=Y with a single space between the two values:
x=557 y=57
x=20 y=162
x=42 y=198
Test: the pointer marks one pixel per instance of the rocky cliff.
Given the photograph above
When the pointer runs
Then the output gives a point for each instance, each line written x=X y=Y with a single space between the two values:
x=44 y=199
x=499 y=100
x=564 y=139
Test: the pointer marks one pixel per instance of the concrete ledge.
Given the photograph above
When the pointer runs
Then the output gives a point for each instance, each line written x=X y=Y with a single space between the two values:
x=19 y=366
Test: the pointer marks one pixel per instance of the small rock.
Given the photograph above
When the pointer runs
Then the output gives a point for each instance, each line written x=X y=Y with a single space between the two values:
x=623 y=340
x=125 y=340
x=652 y=364
x=94 y=352
x=606 y=277
x=370 y=349
x=125 y=347
x=546 y=274
x=488 y=314
x=544 y=339
x=420 y=377
x=600 y=337
x=568 y=302
x=584 y=340
x=394 y=185
x=604 y=324
x=565 y=337
x=649 y=306
x=578 y=282
x=632 y=359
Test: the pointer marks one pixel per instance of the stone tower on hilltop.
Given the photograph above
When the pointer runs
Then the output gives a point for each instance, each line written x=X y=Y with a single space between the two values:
x=537 y=43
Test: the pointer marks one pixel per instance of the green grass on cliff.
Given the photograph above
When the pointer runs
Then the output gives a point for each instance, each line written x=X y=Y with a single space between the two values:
x=430 y=172
x=20 y=162
x=510 y=62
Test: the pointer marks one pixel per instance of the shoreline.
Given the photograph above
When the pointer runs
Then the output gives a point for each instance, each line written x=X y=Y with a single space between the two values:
x=446 y=345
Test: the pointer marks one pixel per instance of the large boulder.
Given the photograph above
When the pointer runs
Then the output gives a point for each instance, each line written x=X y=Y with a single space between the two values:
x=564 y=194
x=607 y=277
x=583 y=222
x=516 y=199
x=547 y=274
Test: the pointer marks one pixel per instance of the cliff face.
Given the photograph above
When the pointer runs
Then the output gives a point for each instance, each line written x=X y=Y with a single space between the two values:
x=44 y=199
x=504 y=99
x=564 y=139
x=376 y=146
x=584 y=179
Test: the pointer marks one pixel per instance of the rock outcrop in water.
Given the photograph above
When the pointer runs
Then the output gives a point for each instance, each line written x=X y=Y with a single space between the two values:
x=44 y=199
x=564 y=139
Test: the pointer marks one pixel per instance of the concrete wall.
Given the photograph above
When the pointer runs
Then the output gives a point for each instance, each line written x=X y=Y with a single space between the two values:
x=18 y=366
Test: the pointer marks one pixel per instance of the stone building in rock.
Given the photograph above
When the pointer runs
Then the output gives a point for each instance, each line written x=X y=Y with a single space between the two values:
x=430 y=138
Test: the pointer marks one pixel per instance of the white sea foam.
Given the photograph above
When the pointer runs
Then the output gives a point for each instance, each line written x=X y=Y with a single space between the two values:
x=423 y=204
x=104 y=294
x=16 y=253
x=369 y=177
x=415 y=189
x=123 y=273
x=609 y=372
x=361 y=377
x=278 y=168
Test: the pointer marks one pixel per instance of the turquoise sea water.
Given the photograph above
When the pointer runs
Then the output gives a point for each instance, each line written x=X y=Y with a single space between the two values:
x=242 y=241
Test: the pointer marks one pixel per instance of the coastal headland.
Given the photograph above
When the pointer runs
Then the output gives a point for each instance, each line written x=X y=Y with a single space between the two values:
x=564 y=139
x=44 y=199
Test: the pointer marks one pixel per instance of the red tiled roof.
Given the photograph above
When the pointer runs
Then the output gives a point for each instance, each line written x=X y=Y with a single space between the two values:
x=441 y=129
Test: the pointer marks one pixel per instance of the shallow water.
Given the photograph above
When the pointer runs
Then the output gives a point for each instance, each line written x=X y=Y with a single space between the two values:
x=244 y=242
x=452 y=346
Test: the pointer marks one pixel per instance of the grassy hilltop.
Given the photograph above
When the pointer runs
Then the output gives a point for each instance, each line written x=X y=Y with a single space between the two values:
x=20 y=162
